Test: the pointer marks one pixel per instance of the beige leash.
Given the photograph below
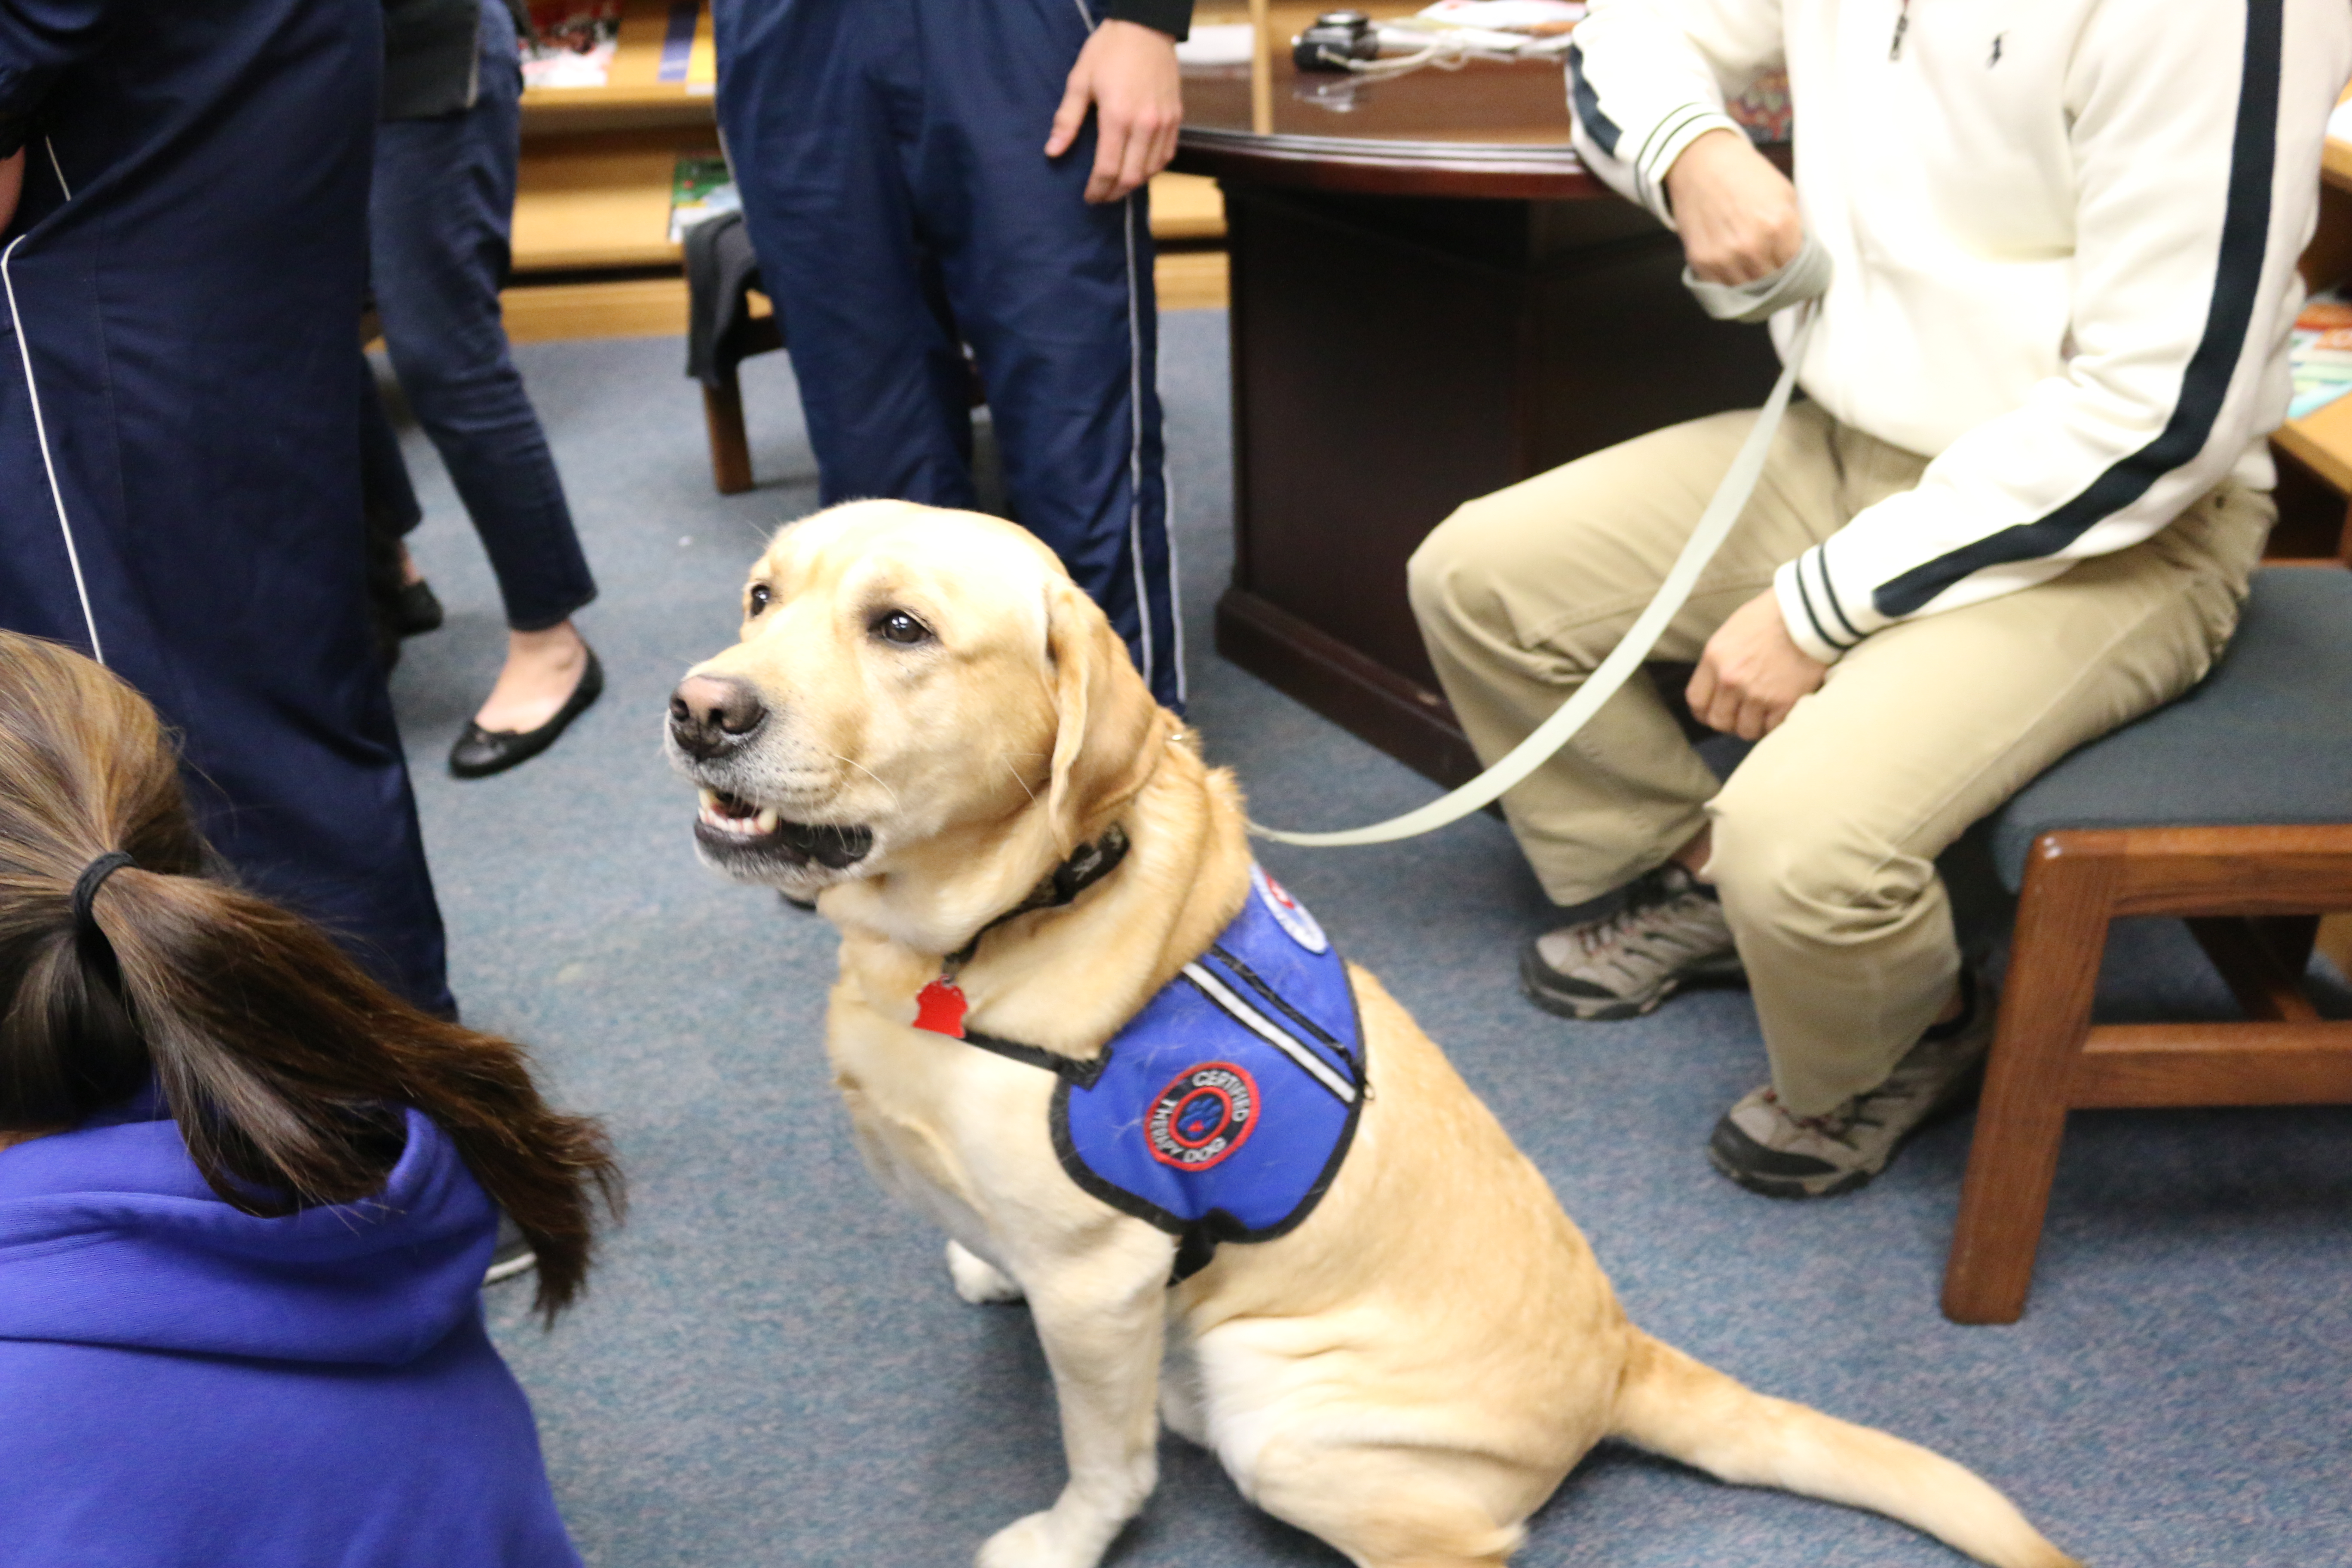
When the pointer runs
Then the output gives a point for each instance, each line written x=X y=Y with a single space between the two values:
x=1802 y=279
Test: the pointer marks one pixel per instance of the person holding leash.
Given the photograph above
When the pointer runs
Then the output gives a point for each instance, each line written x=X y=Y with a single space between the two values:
x=2020 y=508
x=921 y=175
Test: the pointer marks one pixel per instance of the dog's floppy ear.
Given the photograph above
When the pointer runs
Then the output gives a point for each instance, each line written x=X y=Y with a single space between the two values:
x=1107 y=733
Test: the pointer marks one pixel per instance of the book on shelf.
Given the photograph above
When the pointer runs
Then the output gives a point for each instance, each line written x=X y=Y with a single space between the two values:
x=700 y=188
x=2319 y=354
x=571 y=43
x=689 y=56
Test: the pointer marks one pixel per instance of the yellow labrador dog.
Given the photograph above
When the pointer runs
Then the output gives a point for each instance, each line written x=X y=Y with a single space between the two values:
x=926 y=723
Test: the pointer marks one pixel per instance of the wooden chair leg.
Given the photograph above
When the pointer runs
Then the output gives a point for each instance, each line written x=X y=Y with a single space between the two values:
x=2262 y=960
x=2045 y=1015
x=731 y=448
x=2292 y=937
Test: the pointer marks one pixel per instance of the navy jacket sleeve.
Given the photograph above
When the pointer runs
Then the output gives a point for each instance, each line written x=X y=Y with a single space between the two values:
x=1173 y=18
x=38 y=39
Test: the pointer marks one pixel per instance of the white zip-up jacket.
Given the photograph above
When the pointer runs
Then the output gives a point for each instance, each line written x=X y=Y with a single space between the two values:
x=2065 y=234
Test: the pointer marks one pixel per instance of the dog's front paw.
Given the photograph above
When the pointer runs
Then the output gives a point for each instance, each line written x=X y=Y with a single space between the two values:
x=1037 y=1542
x=977 y=1281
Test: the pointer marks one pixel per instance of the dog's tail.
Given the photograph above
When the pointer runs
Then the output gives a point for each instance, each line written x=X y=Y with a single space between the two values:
x=1673 y=1405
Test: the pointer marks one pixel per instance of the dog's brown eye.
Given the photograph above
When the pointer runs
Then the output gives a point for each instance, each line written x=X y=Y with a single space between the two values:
x=899 y=627
x=759 y=598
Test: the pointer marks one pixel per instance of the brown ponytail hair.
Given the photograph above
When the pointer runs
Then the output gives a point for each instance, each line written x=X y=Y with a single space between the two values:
x=284 y=1064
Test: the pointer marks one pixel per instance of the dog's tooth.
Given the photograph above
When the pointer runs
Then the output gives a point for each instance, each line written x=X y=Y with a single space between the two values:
x=709 y=800
x=768 y=819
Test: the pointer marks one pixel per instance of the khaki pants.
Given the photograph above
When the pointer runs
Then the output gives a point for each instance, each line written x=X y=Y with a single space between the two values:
x=1825 y=837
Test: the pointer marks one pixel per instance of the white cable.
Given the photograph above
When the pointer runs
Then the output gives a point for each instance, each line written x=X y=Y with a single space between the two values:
x=1175 y=568
x=1714 y=526
x=1446 y=48
x=57 y=168
x=41 y=433
x=1135 y=442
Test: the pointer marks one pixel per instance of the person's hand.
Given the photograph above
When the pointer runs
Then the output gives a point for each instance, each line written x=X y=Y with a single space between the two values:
x=1751 y=672
x=1128 y=73
x=12 y=185
x=1736 y=214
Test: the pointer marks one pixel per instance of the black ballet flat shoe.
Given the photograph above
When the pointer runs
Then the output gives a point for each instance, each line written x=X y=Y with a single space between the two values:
x=480 y=752
x=416 y=609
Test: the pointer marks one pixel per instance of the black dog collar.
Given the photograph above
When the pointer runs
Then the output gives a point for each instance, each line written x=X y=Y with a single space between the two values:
x=1087 y=863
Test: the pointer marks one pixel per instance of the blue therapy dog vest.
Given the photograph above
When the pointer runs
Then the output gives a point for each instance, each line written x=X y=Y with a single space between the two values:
x=1221 y=1112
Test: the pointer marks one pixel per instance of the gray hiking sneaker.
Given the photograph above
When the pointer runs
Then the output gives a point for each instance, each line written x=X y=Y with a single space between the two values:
x=1764 y=1147
x=1669 y=933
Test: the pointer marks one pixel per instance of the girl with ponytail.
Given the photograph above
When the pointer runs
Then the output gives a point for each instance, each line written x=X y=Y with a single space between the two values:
x=246 y=1197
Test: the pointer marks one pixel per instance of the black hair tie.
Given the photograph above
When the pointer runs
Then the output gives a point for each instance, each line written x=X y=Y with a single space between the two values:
x=93 y=877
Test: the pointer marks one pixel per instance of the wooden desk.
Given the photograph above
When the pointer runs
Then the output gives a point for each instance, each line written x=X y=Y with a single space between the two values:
x=1432 y=299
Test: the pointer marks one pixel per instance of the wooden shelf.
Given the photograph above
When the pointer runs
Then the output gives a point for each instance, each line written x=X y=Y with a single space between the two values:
x=632 y=96
x=600 y=198
x=2322 y=441
x=1186 y=207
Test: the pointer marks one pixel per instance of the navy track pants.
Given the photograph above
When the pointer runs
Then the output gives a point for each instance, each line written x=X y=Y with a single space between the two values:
x=891 y=159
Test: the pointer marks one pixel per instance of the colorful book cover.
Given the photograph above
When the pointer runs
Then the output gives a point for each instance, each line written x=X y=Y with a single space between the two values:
x=702 y=64
x=700 y=187
x=572 y=43
x=677 y=41
x=2319 y=354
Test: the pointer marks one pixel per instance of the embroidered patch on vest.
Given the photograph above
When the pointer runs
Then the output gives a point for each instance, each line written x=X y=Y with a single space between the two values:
x=1288 y=913
x=1206 y=1114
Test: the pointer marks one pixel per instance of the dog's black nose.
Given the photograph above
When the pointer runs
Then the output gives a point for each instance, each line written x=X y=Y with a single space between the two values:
x=709 y=713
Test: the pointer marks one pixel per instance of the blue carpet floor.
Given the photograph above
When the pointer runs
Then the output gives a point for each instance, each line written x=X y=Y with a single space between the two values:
x=771 y=1369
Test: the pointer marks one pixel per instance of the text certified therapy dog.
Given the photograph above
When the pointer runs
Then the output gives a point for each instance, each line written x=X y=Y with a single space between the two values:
x=1239 y=1188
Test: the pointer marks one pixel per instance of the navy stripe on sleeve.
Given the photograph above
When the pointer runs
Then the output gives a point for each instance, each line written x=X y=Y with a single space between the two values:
x=1597 y=125
x=2245 y=233
x=1829 y=591
x=1805 y=597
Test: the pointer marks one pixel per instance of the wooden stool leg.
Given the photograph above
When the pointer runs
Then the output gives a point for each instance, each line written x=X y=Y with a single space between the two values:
x=731 y=448
x=2045 y=1013
x=2294 y=937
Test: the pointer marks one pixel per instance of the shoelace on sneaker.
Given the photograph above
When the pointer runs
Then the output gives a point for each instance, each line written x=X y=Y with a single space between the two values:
x=1831 y=1124
x=1646 y=894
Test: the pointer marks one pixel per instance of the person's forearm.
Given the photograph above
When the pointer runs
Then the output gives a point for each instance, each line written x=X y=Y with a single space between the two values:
x=12 y=185
x=1646 y=79
x=1736 y=213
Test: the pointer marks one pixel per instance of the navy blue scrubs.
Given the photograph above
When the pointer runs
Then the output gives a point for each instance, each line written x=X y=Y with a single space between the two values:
x=180 y=410
x=891 y=159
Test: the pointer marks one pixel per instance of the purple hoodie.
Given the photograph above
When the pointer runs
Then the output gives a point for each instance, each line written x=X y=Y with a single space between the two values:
x=183 y=1385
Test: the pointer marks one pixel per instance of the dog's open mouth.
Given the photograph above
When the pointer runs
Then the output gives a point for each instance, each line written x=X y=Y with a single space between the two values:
x=728 y=823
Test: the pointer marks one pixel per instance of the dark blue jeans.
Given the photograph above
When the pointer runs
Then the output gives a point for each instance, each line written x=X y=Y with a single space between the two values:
x=438 y=220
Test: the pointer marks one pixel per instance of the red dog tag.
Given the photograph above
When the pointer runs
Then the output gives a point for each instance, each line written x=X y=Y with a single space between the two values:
x=940 y=1007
